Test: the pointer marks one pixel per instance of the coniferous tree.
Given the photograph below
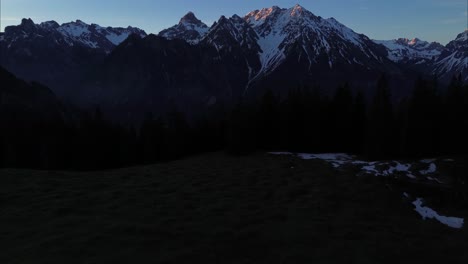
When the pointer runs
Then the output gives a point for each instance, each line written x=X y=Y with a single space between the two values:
x=178 y=135
x=268 y=122
x=341 y=125
x=241 y=131
x=423 y=127
x=381 y=139
x=359 y=121
x=150 y=140
x=295 y=120
x=454 y=133
x=313 y=128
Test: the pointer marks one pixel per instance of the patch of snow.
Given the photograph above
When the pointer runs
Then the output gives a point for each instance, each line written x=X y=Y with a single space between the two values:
x=428 y=161
x=74 y=29
x=377 y=168
x=435 y=179
x=116 y=39
x=370 y=169
x=402 y=49
x=432 y=169
x=454 y=61
x=399 y=167
x=346 y=33
x=271 y=55
x=429 y=213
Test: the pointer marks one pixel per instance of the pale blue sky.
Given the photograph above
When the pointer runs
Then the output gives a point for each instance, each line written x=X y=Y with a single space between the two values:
x=432 y=20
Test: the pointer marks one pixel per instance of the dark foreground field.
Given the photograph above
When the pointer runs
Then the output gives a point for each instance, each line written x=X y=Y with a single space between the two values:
x=217 y=209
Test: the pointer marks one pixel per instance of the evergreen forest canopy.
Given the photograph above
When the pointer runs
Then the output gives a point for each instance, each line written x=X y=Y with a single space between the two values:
x=428 y=124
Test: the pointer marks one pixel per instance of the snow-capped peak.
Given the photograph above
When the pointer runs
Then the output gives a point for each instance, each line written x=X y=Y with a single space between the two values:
x=462 y=36
x=190 y=18
x=257 y=16
x=190 y=29
x=454 y=59
x=27 y=24
x=77 y=33
x=50 y=24
x=413 y=42
x=280 y=29
x=405 y=50
x=298 y=10
x=234 y=28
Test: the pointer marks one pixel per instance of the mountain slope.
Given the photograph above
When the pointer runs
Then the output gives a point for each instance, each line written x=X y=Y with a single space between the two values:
x=190 y=29
x=192 y=66
x=72 y=34
x=237 y=46
x=155 y=74
x=57 y=55
x=454 y=59
x=273 y=43
x=21 y=101
x=311 y=50
x=408 y=50
x=280 y=29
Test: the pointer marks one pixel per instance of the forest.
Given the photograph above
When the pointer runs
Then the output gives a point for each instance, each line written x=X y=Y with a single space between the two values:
x=432 y=122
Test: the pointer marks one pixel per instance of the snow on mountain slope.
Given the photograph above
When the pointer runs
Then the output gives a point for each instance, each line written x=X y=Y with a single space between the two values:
x=237 y=45
x=230 y=31
x=454 y=59
x=75 y=33
x=403 y=49
x=190 y=29
x=279 y=29
x=95 y=36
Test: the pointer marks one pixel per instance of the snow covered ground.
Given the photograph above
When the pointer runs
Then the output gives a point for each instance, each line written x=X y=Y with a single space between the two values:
x=390 y=168
x=377 y=168
x=426 y=212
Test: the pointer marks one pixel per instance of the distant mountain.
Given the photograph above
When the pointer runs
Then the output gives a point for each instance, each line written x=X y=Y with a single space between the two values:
x=283 y=30
x=236 y=43
x=72 y=34
x=310 y=49
x=411 y=50
x=154 y=74
x=57 y=55
x=190 y=29
x=269 y=44
x=453 y=59
x=192 y=66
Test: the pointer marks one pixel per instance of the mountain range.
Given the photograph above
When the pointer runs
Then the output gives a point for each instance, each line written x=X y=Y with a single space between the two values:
x=192 y=65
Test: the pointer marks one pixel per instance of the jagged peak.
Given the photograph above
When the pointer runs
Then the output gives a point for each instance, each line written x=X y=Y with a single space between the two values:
x=236 y=17
x=298 y=10
x=27 y=21
x=414 y=41
x=80 y=22
x=257 y=17
x=190 y=18
x=462 y=36
x=50 y=24
x=76 y=23
x=262 y=14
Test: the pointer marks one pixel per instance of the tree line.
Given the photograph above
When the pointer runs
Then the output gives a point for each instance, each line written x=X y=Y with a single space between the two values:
x=433 y=121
